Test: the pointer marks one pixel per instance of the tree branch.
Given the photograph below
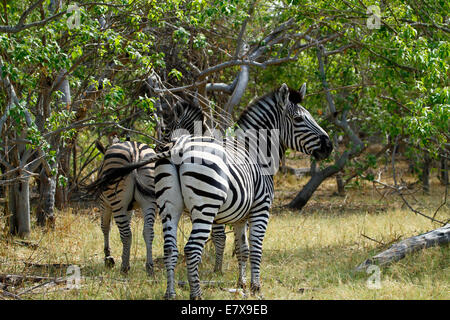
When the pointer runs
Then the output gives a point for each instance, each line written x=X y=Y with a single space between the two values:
x=20 y=26
x=398 y=189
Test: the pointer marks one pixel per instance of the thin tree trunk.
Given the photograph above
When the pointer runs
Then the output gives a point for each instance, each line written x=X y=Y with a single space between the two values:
x=19 y=206
x=45 y=212
x=339 y=181
x=426 y=172
x=62 y=191
x=340 y=184
x=443 y=174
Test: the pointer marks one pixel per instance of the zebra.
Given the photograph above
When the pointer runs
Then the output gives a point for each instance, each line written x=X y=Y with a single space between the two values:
x=229 y=185
x=190 y=119
x=119 y=197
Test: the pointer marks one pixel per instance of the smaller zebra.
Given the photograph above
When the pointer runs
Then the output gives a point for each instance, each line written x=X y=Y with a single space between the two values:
x=119 y=197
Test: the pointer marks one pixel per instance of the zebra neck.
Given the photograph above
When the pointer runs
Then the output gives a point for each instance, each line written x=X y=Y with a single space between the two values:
x=263 y=118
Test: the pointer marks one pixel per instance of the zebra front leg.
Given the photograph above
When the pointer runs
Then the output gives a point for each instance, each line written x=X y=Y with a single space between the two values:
x=241 y=249
x=122 y=220
x=258 y=226
x=219 y=238
x=106 y=227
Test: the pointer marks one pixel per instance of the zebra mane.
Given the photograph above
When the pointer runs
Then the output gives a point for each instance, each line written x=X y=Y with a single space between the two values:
x=294 y=96
x=184 y=113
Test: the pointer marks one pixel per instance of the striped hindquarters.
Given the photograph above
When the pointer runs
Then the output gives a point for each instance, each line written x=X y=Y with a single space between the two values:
x=117 y=193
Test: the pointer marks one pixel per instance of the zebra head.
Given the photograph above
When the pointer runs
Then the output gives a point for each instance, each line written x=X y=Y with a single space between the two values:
x=188 y=119
x=299 y=130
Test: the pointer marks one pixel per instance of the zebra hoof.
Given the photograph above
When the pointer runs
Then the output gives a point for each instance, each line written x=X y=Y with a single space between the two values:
x=242 y=284
x=109 y=262
x=255 y=289
x=199 y=297
x=149 y=269
x=218 y=270
x=124 y=270
x=170 y=296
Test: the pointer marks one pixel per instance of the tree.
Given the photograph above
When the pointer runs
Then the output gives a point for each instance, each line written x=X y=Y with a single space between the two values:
x=389 y=81
x=121 y=68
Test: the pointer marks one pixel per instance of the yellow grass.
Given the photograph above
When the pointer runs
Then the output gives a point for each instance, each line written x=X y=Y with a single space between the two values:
x=310 y=255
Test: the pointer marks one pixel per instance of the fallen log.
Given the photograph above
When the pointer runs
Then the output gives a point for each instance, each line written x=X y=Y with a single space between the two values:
x=47 y=265
x=437 y=237
x=9 y=295
x=17 y=279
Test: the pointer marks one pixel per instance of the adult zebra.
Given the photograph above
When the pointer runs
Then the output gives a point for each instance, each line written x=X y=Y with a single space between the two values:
x=119 y=196
x=229 y=185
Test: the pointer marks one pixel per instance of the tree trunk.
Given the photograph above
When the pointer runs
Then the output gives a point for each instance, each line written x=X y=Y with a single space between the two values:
x=440 y=236
x=358 y=146
x=62 y=191
x=316 y=179
x=443 y=174
x=340 y=184
x=19 y=207
x=305 y=194
x=45 y=212
x=339 y=181
x=426 y=172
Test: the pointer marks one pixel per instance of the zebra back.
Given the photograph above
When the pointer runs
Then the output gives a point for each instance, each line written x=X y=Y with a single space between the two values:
x=189 y=119
x=120 y=155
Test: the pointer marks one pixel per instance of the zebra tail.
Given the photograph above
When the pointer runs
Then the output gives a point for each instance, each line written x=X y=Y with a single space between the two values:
x=114 y=175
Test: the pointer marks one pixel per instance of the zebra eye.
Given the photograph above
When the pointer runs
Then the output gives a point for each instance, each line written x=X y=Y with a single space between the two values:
x=298 y=118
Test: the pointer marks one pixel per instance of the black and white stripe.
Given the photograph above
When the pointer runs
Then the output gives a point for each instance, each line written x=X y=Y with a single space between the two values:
x=190 y=119
x=227 y=184
x=118 y=197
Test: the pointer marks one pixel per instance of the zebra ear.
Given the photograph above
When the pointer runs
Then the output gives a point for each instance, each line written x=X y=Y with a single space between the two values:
x=284 y=94
x=302 y=91
x=178 y=110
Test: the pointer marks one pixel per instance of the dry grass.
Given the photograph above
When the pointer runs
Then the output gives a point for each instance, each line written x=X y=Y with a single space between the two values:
x=306 y=256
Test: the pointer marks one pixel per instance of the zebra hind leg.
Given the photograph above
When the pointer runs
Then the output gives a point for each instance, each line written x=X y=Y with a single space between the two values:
x=106 y=227
x=122 y=220
x=149 y=221
x=170 y=226
x=201 y=229
x=148 y=205
x=170 y=204
x=219 y=238
x=258 y=226
x=241 y=249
